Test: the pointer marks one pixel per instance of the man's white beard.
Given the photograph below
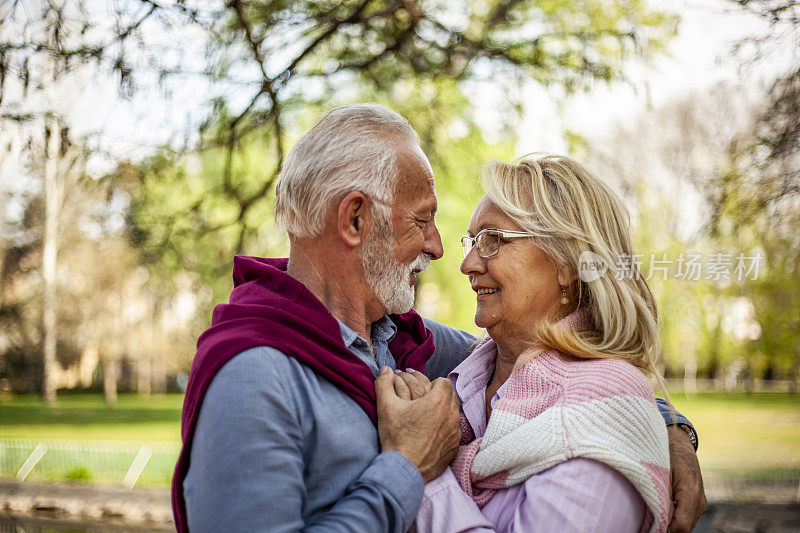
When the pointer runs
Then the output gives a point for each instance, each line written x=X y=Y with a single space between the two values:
x=388 y=278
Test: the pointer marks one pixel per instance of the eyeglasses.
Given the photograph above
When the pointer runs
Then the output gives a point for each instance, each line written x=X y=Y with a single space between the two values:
x=488 y=241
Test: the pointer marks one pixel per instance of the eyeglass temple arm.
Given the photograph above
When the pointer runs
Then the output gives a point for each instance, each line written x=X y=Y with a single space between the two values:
x=512 y=233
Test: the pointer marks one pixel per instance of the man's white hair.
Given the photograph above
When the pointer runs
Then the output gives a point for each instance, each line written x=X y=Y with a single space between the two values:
x=351 y=148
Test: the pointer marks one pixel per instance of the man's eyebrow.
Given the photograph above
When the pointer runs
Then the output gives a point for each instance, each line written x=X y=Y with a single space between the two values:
x=429 y=210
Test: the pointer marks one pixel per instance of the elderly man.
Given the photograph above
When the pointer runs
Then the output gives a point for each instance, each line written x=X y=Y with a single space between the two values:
x=283 y=428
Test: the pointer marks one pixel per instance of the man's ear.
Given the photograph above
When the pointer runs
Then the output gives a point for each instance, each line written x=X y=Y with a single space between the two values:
x=354 y=219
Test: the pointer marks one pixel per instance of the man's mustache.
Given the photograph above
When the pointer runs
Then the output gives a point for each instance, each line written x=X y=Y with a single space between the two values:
x=421 y=263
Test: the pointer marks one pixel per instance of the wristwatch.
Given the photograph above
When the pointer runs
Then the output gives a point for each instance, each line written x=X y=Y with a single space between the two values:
x=690 y=432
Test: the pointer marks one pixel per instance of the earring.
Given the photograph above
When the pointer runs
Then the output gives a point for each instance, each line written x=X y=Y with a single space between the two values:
x=564 y=299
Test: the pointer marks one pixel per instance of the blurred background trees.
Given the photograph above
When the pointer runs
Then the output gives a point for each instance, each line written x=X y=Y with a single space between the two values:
x=144 y=243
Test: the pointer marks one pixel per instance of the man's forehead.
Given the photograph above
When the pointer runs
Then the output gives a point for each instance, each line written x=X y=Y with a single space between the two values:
x=417 y=186
x=411 y=153
x=415 y=172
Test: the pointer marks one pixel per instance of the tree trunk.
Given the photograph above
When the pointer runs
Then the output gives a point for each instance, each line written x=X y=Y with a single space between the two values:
x=89 y=360
x=732 y=374
x=795 y=368
x=49 y=263
x=719 y=382
x=159 y=376
x=750 y=377
x=110 y=376
x=143 y=374
x=689 y=362
x=2 y=262
x=690 y=373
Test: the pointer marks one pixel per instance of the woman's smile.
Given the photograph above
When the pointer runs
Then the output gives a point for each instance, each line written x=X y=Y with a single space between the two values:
x=483 y=292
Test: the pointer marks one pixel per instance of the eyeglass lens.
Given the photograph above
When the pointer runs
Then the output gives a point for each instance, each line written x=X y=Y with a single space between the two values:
x=487 y=243
x=466 y=244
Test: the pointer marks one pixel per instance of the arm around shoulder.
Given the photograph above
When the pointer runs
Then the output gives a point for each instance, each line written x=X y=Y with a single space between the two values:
x=452 y=347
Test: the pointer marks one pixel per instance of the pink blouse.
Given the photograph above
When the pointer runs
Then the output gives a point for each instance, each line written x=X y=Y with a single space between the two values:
x=579 y=495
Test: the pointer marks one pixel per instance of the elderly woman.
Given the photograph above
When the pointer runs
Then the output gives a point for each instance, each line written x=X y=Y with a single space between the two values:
x=560 y=430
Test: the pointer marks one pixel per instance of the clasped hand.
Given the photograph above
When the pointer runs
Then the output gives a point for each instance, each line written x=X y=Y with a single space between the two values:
x=419 y=419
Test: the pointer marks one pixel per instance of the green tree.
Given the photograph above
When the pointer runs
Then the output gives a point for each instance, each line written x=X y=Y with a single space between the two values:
x=266 y=68
x=194 y=211
x=759 y=197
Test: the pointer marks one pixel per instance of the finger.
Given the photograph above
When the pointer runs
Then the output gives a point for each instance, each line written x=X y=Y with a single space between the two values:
x=384 y=386
x=702 y=509
x=683 y=517
x=456 y=401
x=442 y=384
x=422 y=378
x=401 y=388
x=418 y=389
x=700 y=512
x=445 y=386
x=697 y=508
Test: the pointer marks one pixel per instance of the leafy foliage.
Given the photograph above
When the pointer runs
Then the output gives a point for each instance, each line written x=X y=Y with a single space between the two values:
x=295 y=59
x=266 y=69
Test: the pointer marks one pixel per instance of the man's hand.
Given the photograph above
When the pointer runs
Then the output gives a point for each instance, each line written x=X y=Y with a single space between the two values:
x=687 y=482
x=411 y=384
x=426 y=430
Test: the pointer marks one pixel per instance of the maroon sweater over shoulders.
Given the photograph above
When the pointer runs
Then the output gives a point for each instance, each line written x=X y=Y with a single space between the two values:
x=267 y=307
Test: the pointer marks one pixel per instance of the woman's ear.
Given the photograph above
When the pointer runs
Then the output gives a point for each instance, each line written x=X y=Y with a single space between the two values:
x=566 y=276
x=354 y=219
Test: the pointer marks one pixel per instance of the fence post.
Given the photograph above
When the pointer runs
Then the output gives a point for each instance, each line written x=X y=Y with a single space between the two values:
x=797 y=498
x=137 y=467
x=31 y=461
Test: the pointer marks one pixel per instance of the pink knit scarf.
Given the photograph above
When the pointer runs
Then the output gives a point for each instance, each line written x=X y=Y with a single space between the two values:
x=556 y=408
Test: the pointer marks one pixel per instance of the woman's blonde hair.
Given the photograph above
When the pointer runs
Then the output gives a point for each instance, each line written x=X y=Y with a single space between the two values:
x=576 y=217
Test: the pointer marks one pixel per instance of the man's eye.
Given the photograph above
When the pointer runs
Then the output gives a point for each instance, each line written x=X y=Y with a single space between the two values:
x=422 y=222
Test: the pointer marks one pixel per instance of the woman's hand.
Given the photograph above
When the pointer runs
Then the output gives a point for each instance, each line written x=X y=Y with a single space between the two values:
x=411 y=385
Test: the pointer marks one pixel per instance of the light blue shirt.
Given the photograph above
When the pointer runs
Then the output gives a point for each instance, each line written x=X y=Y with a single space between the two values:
x=277 y=448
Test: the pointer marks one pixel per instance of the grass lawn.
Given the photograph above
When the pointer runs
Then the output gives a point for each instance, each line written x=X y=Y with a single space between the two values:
x=85 y=416
x=741 y=432
x=736 y=430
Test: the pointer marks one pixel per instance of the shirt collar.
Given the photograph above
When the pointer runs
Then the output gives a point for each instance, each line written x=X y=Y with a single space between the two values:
x=472 y=375
x=383 y=330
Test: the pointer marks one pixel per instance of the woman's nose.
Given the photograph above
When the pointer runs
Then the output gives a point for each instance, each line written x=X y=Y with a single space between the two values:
x=473 y=263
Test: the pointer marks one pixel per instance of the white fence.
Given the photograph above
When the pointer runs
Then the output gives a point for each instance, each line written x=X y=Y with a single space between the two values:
x=152 y=463
x=128 y=463
x=752 y=482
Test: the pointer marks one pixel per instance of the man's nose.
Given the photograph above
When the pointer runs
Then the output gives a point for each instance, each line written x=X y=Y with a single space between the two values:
x=433 y=242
